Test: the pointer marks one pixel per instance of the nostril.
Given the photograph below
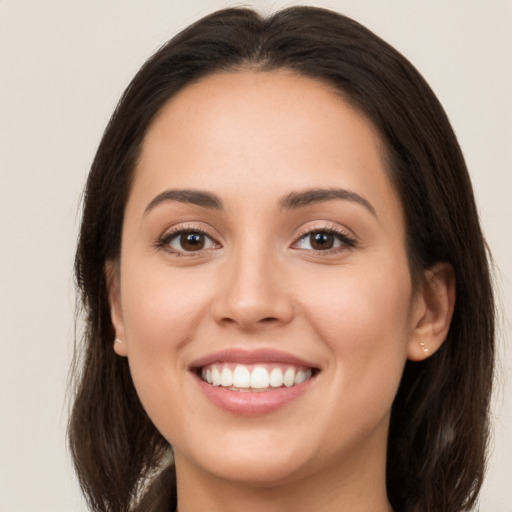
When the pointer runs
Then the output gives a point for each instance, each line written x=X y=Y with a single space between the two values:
x=266 y=320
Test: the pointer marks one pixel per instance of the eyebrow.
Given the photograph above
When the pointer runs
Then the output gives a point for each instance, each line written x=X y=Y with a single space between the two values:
x=191 y=196
x=291 y=201
x=295 y=200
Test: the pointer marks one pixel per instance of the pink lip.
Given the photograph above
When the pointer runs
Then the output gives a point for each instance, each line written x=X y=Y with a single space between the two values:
x=251 y=403
x=251 y=357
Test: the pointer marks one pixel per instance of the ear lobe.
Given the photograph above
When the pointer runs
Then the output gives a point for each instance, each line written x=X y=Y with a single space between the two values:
x=433 y=312
x=116 y=313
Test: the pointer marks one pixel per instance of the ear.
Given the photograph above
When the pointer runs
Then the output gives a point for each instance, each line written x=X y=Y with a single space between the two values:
x=116 y=313
x=433 y=311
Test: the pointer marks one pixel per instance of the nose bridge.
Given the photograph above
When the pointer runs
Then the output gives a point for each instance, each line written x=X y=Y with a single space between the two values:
x=251 y=293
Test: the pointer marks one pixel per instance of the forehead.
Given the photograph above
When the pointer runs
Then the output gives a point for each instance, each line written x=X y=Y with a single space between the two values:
x=234 y=132
x=267 y=108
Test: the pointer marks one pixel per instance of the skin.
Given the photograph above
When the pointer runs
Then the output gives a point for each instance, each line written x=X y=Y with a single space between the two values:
x=250 y=138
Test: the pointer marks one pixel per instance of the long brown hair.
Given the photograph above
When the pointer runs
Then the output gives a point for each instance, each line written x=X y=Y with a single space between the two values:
x=439 y=423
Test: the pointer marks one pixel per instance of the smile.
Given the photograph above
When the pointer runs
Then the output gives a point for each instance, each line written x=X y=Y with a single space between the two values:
x=253 y=382
x=254 y=377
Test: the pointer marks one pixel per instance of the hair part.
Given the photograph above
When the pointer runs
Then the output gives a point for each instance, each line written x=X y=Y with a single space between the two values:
x=439 y=423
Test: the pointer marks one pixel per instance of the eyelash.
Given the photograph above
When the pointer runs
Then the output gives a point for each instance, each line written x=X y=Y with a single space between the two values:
x=163 y=243
x=347 y=241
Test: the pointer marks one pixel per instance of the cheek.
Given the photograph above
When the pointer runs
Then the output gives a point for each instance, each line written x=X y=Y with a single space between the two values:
x=161 y=311
x=364 y=318
x=160 y=307
x=365 y=302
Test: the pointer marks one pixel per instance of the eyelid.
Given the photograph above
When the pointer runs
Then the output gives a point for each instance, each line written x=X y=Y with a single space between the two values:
x=348 y=239
x=163 y=241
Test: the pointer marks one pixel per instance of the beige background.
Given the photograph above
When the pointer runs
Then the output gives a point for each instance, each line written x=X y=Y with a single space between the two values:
x=63 y=65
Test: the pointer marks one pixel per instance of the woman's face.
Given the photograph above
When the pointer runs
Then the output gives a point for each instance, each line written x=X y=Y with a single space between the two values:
x=263 y=242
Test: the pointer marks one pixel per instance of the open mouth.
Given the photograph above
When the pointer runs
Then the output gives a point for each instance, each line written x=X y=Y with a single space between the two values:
x=254 y=377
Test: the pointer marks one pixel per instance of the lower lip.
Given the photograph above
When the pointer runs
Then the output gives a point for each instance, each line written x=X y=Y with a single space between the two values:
x=252 y=403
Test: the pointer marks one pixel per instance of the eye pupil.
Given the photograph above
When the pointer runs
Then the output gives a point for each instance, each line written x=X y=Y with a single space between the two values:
x=322 y=240
x=192 y=241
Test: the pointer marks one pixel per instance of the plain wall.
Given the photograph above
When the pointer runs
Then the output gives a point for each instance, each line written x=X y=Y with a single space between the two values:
x=63 y=66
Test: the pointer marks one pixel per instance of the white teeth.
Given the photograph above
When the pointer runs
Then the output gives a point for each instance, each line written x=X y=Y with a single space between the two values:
x=300 y=377
x=276 y=378
x=289 y=377
x=226 y=378
x=215 y=376
x=206 y=375
x=259 y=378
x=241 y=377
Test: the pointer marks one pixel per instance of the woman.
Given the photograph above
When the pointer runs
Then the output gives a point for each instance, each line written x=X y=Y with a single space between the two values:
x=280 y=235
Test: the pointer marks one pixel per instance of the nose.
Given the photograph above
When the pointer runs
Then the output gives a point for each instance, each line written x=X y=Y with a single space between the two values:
x=252 y=294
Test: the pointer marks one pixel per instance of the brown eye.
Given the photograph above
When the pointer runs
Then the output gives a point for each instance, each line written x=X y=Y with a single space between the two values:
x=321 y=240
x=188 y=241
x=324 y=240
x=192 y=241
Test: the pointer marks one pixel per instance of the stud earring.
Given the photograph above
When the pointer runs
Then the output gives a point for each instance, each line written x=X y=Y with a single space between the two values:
x=117 y=340
x=423 y=347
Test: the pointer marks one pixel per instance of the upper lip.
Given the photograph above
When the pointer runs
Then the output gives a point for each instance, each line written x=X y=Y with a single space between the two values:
x=242 y=356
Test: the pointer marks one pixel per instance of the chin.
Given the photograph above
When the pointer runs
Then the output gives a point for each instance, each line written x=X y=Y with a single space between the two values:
x=262 y=457
x=263 y=470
